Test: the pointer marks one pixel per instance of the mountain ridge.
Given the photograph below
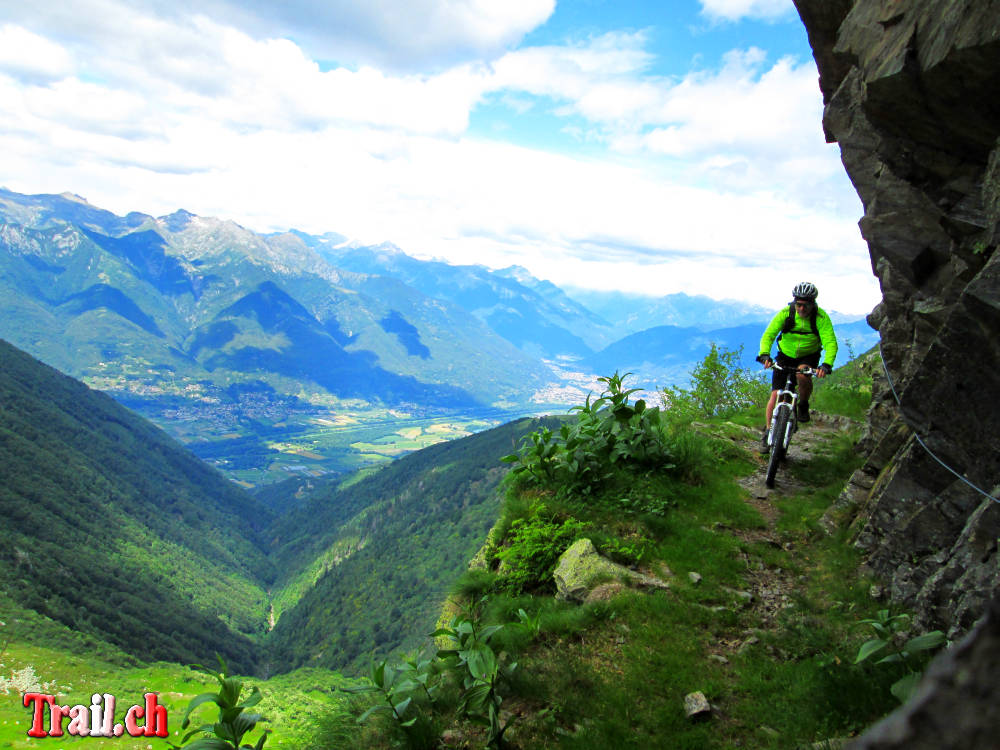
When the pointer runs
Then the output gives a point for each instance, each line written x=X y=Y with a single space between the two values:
x=168 y=313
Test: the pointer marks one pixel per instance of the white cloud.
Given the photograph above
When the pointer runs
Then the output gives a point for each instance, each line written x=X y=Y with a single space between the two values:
x=734 y=10
x=705 y=180
x=742 y=106
x=405 y=35
x=572 y=71
x=748 y=126
x=31 y=58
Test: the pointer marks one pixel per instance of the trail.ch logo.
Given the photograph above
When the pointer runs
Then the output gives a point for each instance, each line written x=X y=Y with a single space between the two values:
x=97 y=719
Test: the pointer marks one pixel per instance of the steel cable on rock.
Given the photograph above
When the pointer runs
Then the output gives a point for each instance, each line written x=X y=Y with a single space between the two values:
x=917 y=436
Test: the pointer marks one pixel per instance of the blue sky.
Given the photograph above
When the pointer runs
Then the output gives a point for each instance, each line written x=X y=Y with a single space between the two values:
x=650 y=147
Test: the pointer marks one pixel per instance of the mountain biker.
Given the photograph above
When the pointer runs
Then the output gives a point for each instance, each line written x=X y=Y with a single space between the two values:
x=802 y=329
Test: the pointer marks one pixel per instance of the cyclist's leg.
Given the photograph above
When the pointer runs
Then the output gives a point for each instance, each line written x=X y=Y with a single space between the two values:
x=777 y=383
x=769 y=411
x=805 y=385
x=805 y=388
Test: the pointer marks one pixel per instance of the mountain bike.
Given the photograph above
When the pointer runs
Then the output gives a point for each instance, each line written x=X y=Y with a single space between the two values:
x=784 y=421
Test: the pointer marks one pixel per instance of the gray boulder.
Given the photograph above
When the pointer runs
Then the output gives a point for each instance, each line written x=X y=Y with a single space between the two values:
x=581 y=569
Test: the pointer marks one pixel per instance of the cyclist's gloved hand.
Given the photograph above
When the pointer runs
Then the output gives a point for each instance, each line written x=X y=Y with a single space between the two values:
x=765 y=359
x=823 y=370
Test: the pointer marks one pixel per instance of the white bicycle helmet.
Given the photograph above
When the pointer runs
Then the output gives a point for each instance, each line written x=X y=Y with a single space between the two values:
x=805 y=290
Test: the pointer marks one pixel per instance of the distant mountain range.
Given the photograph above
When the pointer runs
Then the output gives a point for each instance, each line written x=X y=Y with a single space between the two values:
x=631 y=313
x=535 y=316
x=184 y=299
x=221 y=334
x=664 y=355
x=242 y=343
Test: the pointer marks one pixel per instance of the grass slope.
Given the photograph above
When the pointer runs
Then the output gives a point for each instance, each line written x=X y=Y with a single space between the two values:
x=37 y=652
x=100 y=506
x=767 y=630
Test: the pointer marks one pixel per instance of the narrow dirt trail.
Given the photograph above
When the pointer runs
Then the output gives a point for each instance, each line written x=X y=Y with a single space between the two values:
x=771 y=587
x=811 y=437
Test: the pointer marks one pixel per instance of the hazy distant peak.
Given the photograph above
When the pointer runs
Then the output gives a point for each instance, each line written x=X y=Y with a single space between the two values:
x=328 y=239
x=519 y=274
x=75 y=198
x=383 y=248
x=177 y=221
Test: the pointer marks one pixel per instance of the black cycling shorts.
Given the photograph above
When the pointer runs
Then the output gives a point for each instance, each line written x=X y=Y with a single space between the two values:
x=778 y=377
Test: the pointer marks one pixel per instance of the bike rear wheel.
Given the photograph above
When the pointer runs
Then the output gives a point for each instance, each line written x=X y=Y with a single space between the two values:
x=778 y=445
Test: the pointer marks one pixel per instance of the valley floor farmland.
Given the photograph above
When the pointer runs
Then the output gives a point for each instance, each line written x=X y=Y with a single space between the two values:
x=333 y=443
x=276 y=444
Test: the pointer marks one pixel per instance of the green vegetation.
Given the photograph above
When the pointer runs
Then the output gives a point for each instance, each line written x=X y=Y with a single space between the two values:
x=358 y=571
x=234 y=721
x=100 y=506
x=483 y=672
x=910 y=653
x=367 y=565
x=720 y=387
x=848 y=389
x=466 y=676
x=768 y=629
x=609 y=435
x=36 y=651
x=533 y=546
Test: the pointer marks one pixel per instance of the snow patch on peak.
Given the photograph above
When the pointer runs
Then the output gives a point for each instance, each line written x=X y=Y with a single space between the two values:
x=519 y=274
x=75 y=198
x=177 y=221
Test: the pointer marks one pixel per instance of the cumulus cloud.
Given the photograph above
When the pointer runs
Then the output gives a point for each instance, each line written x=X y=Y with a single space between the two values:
x=703 y=179
x=401 y=34
x=31 y=58
x=573 y=72
x=404 y=35
x=750 y=124
x=734 y=10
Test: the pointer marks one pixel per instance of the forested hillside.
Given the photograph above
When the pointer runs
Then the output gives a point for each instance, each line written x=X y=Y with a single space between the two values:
x=112 y=528
x=372 y=561
x=99 y=505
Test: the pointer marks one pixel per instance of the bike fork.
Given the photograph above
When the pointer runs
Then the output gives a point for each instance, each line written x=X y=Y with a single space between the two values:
x=793 y=422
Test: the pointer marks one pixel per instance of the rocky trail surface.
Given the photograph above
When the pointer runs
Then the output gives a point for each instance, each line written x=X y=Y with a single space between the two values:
x=771 y=588
x=811 y=438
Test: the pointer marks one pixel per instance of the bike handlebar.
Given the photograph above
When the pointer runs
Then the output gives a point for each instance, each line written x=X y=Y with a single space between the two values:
x=804 y=369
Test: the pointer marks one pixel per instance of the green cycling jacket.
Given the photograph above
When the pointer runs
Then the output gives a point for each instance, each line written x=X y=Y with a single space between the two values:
x=800 y=340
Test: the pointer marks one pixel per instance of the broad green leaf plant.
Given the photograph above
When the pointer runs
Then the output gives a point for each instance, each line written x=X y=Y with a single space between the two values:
x=609 y=432
x=416 y=677
x=409 y=691
x=235 y=721
x=890 y=630
x=482 y=671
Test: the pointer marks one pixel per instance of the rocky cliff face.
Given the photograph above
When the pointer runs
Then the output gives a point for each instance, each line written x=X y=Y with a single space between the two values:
x=912 y=95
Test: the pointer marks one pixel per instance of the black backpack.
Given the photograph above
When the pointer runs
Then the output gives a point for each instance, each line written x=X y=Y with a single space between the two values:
x=790 y=320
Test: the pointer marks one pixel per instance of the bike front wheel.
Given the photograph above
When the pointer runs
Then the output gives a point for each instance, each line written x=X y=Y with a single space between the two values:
x=778 y=445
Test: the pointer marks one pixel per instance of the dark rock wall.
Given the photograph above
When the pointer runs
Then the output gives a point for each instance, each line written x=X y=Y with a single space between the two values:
x=912 y=95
